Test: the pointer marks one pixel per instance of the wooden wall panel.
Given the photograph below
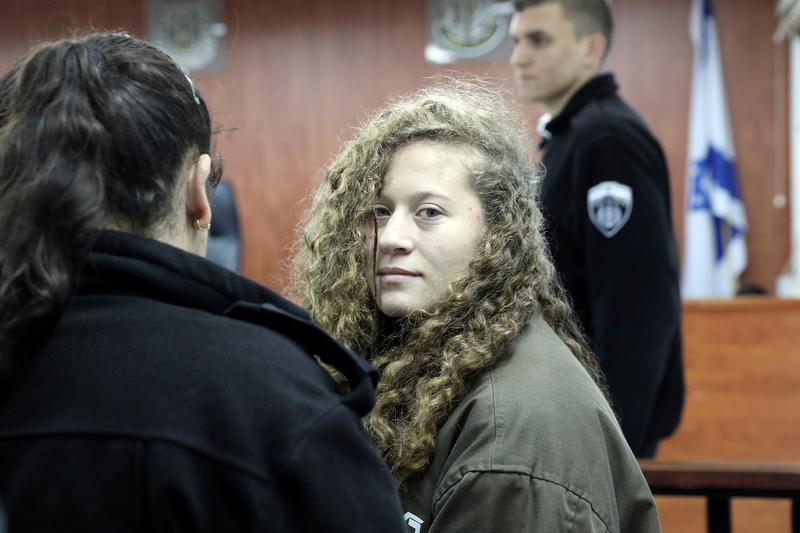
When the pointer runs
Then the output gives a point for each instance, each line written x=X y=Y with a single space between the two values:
x=743 y=377
x=309 y=71
x=300 y=73
x=756 y=72
x=24 y=23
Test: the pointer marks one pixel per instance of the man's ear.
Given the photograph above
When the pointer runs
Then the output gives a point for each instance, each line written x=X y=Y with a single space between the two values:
x=596 y=44
x=198 y=207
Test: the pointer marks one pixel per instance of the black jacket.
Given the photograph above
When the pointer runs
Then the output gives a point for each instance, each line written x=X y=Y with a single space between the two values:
x=605 y=197
x=174 y=395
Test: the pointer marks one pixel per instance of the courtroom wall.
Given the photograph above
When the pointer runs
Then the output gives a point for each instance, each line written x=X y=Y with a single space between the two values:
x=298 y=74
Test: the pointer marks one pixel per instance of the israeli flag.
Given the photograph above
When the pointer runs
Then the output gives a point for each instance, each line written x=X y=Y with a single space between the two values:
x=715 y=253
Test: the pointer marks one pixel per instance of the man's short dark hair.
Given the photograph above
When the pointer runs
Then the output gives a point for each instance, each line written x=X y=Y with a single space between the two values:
x=588 y=16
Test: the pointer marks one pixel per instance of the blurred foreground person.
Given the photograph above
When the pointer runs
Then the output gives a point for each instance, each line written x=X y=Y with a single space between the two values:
x=143 y=387
x=424 y=251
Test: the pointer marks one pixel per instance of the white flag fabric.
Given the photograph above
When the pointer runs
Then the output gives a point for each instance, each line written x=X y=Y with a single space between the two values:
x=715 y=253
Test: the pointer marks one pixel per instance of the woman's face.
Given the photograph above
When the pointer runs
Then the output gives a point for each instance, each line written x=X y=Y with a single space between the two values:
x=429 y=221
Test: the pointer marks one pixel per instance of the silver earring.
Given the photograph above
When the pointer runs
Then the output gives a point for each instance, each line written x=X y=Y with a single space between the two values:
x=200 y=227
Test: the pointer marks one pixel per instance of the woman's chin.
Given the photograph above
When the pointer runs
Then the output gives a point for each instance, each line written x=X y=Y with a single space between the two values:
x=393 y=312
x=395 y=308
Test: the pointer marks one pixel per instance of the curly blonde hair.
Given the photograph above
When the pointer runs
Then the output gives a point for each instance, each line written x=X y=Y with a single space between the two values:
x=430 y=358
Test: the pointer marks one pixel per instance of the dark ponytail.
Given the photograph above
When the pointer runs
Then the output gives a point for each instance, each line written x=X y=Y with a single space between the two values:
x=92 y=130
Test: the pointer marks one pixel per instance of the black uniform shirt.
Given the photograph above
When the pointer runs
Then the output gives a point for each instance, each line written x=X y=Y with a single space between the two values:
x=605 y=197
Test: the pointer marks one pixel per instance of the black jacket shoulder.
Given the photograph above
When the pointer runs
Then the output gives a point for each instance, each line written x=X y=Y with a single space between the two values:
x=612 y=118
x=176 y=396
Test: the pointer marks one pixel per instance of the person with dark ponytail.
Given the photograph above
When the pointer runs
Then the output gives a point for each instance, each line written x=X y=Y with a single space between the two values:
x=143 y=388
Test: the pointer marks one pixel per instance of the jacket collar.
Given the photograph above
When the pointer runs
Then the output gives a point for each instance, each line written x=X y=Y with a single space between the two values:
x=120 y=263
x=598 y=87
x=129 y=264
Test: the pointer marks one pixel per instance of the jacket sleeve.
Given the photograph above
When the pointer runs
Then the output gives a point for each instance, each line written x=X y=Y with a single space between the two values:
x=334 y=481
x=631 y=274
x=513 y=503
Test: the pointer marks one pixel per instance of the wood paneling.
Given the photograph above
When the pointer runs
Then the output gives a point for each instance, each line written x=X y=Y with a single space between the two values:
x=299 y=74
x=308 y=71
x=742 y=403
x=743 y=376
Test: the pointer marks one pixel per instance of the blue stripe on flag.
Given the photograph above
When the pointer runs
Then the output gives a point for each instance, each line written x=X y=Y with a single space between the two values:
x=715 y=170
x=719 y=240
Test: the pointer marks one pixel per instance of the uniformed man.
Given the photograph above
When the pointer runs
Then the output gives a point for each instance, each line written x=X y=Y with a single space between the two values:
x=606 y=199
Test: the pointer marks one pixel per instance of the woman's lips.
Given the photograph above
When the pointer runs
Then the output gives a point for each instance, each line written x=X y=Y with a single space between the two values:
x=395 y=274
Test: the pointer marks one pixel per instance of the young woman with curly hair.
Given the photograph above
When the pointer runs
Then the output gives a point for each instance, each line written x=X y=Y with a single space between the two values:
x=424 y=251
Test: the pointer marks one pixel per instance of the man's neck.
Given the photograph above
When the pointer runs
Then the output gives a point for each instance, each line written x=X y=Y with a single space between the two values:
x=553 y=108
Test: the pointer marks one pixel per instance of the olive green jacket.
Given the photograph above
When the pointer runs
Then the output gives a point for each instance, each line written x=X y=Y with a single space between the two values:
x=535 y=448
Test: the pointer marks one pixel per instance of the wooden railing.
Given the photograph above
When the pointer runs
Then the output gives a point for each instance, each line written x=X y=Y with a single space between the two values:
x=718 y=482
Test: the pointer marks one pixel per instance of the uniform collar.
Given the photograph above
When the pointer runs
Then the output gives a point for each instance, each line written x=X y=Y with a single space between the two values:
x=599 y=86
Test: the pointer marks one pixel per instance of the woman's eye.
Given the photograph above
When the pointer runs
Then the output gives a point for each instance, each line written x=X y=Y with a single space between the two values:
x=381 y=212
x=430 y=213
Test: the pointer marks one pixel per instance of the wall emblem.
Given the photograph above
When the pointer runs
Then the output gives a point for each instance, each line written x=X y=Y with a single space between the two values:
x=468 y=29
x=191 y=31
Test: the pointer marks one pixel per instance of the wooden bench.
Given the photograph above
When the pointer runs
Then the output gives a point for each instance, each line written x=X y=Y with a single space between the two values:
x=720 y=481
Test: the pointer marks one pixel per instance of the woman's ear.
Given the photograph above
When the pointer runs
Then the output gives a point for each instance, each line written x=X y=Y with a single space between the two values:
x=198 y=206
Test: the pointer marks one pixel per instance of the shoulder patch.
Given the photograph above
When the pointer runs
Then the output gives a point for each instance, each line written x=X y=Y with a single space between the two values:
x=609 y=204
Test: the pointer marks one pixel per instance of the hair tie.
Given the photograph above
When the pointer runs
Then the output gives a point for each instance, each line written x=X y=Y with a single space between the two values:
x=194 y=91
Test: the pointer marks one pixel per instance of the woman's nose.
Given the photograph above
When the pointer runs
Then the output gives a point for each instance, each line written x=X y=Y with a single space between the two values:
x=396 y=236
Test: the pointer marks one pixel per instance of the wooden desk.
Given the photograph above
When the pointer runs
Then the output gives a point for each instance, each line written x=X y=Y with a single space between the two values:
x=742 y=362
